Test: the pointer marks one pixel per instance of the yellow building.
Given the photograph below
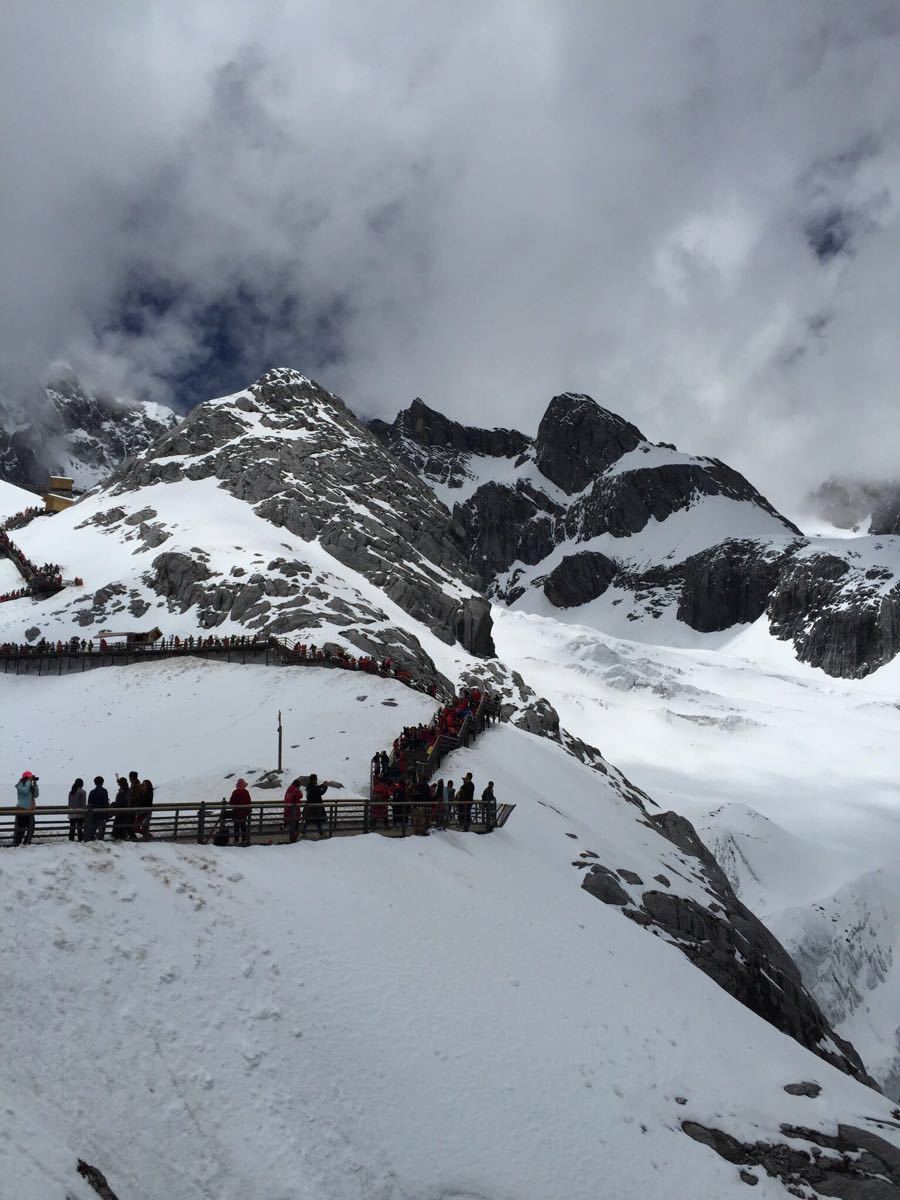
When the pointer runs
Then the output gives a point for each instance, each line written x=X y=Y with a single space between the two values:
x=59 y=494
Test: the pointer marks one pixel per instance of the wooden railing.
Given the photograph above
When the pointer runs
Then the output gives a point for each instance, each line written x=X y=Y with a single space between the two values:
x=63 y=658
x=268 y=822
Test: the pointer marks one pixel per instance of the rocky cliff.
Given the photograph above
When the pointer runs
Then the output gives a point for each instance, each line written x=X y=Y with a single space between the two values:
x=591 y=513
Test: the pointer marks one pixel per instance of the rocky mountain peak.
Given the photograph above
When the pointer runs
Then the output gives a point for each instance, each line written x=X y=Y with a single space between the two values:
x=426 y=440
x=578 y=440
x=298 y=461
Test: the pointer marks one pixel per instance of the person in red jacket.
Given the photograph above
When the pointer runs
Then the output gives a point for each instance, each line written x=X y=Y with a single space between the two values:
x=292 y=798
x=381 y=798
x=240 y=813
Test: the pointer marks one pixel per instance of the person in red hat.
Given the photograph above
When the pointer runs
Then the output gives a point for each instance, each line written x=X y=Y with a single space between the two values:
x=240 y=813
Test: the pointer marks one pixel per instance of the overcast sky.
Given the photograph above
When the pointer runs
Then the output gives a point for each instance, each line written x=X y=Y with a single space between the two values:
x=687 y=209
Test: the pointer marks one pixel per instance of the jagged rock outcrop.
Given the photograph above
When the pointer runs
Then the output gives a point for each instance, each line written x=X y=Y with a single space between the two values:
x=840 y=616
x=438 y=449
x=727 y=942
x=852 y=1164
x=728 y=585
x=67 y=430
x=579 y=578
x=598 y=438
x=502 y=525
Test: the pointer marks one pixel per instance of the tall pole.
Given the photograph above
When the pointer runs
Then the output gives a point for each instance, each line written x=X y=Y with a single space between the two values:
x=279 y=739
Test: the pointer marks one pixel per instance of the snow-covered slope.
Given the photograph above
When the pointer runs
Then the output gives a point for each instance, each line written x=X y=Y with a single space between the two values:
x=449 y=1017
x=789 y=776
x=591 y=522
x=15 y=499
x=68 y=430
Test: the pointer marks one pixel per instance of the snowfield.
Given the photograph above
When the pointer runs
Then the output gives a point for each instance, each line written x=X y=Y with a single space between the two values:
x=789 y=775
x=191 y=724
x=451 y=1018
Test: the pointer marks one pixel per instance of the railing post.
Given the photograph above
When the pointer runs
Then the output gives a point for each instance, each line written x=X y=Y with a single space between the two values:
x=201 y=821
x=175 y=829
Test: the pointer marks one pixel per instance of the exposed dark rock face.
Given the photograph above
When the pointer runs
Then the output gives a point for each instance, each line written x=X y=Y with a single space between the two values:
x=729 y=944
x=623 y=503
x=853 y=1164
x=727 y=585
x=840 y=619
x=577 y=440
x=579 y=578
x=420 y=428
x=71 y=431
x=502 y=524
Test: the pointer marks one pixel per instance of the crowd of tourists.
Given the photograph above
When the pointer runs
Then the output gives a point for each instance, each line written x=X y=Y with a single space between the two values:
x=401 y=792
x=45 y=578
x=24 y=517
x=330 y=656
x=301 y=810
x=90 y=811
x=422 y=805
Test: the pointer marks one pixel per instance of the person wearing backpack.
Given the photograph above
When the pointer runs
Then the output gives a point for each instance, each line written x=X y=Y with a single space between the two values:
x=77 y=803
x=27 y=792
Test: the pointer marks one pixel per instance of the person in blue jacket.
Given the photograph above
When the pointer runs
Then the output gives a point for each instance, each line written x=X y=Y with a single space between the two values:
x=27 y=792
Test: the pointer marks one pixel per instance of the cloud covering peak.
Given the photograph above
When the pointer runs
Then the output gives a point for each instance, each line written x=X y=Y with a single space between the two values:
x=687 y=210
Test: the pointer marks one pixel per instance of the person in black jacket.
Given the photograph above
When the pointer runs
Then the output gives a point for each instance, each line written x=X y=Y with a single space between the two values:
x=489 y=800
x=98 y=811
x=120 y=804
x=421 y=814
x=77 y=804
x=314 y=809
x=464 y=798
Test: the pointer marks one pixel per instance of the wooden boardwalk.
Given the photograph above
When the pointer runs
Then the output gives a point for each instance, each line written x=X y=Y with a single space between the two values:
x=203 y=821
x=268 y=822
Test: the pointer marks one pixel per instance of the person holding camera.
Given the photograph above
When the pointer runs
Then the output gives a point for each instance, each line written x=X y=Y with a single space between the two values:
x=27 y=792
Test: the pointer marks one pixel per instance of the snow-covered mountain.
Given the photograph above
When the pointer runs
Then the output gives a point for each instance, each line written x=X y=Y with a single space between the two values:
x=273 y=510
x=524 y=1006
x=68 y=430
x=591 y=522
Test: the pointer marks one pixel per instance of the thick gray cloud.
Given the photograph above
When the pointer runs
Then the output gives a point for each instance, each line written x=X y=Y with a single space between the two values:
x=688 y=210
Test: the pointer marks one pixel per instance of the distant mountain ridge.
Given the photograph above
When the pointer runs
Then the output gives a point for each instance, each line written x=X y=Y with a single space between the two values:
x=591 y=516
x=68 y=430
